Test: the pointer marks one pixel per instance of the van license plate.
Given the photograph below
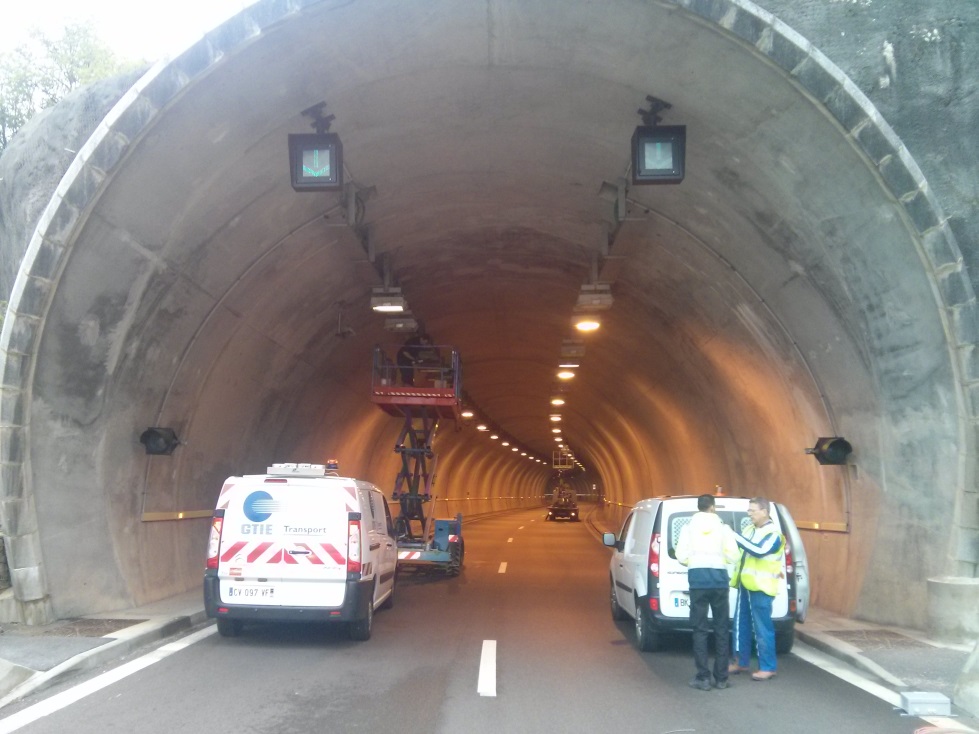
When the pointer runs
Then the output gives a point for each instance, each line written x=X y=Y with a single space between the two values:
x=681 y=600
x=251 y=592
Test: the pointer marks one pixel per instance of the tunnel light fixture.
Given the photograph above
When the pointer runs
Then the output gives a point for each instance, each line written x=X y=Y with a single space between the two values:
x=159 y=441
x=569 y=365
x=555 y=417
x=587 y=323
x=467 y=413
x=565 y=375
x=505 y=443
x=404 y=324
x=832 y=450
x=523 y=453
x=514 y=449
x=594 y=297
x=555 y=430
x=387 y=300
x=494 y=436
x=572 y=349
x=557 y=401
x=482 y=427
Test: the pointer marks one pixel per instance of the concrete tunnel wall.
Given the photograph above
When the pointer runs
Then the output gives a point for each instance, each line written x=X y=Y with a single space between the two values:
x=784 y=293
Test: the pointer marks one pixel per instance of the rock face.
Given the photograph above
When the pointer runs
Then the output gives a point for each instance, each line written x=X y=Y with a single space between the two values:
x=38 y=156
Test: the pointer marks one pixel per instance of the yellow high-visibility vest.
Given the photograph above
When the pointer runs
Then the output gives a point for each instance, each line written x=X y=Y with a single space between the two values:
x=763 y=574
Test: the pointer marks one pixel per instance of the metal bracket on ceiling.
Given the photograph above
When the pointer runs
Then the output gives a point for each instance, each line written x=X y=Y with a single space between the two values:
x=651 y=117
x=321 y=123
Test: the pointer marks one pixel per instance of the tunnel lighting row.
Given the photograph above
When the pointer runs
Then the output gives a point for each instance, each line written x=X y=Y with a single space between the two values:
x=468 y=414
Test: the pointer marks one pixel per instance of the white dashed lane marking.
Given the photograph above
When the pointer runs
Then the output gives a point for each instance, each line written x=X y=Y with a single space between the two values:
x=503 y=567
x=487 y=669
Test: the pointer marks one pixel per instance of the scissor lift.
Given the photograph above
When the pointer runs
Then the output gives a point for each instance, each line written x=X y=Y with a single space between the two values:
x=435 y=394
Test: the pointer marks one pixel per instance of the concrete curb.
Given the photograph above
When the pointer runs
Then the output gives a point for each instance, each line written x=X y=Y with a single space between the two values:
x=848 y=654
x=121 y=644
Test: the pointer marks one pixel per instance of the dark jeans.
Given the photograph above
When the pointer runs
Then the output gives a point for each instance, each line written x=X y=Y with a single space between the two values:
x=716 y=601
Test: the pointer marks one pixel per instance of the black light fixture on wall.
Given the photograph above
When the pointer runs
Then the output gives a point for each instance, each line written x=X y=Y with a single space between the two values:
x=159 y=441
x=658 y=151
x=832 y=450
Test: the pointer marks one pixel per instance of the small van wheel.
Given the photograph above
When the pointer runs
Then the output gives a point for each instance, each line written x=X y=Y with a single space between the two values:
x=618 y=613
x=647 y=639
x=784 y=641
x=389 y=602
x=360 y=630
x=229 y=627
x=457 y=554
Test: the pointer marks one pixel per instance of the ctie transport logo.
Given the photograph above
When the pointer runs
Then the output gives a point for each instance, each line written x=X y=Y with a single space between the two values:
x=259 y=506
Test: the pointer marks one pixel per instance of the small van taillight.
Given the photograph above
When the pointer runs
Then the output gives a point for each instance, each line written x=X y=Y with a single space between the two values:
x=790 y=576
x=214 y=540
x=654 y=555
x=353 y=543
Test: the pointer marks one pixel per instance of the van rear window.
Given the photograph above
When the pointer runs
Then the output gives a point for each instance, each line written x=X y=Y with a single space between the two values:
x=737 y=521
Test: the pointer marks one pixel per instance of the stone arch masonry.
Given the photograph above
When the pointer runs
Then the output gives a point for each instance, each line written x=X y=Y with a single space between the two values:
x=769 y=37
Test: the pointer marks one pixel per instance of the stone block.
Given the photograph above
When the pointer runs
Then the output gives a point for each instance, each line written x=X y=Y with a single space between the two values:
x=11 y=444
x=956 y=288
x=11 y=483
x=817 y=79
x=921 y=209
x=23 y=551
x=786 y=53
x=109 y=152
x=15 y=367
x=22 y=334
x=11 y=407
x=19 y=517
x=845 y=108
x=897 y=176
x=965 y=320
x=133 y=120
x=874 y=143
x=34 y=296
x=953 y=608
x=28 y=583
x=748 y=26
x=940 y=248
x=84 y=187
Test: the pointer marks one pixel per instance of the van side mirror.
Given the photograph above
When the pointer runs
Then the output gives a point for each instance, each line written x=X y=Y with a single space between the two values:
x=609 y=540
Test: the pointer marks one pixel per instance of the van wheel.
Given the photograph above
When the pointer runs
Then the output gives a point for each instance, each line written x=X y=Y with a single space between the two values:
x=229 y=627
x=647 y=639
x=784 y=641
x=618 y=613
x=389 y=602
x=360 y=630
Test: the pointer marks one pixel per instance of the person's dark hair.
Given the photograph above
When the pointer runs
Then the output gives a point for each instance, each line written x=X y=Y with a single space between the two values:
x=762 y=503
x=705 y=502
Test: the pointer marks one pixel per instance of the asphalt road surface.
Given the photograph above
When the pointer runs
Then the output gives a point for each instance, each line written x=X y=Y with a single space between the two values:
x=537 y=591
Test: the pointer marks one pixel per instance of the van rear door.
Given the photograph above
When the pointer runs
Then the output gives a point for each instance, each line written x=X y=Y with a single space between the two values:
x=285 y=541
x=674 y=588
x=801 y=562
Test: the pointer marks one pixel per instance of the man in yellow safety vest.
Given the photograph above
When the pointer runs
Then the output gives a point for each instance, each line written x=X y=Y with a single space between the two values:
x=757 y=580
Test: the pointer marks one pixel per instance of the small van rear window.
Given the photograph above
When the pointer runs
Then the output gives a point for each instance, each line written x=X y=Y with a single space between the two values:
x=737 y=521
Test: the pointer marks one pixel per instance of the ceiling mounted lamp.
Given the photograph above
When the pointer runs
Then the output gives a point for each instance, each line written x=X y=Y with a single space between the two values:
x=587 y=323
x=505 y=443
x=569 y=365
x=555 y=430
x=467 y=413
x=494 y=436
x=514 y=449
x=405 y=324
x=557 y=401
x=594 y=297
x=558 y=439
x=388 y=300
x=482 y=427
x=555 y=417
x=565 y=375
x=658 y=151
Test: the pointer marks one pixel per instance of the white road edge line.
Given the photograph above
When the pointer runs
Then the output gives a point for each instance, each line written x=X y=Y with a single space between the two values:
x=66 y=698
x=503 y=567
x=834 y=667
x=486 y=686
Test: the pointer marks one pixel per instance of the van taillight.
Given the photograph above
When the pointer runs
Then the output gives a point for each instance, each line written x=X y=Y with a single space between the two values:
x=214 y=540
x=353 y=545
x=788 y=560
x=654 y=555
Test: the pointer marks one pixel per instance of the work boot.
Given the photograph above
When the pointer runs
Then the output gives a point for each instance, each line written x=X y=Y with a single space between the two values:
x=763 y=675
x=700 y=683
x=721 y=684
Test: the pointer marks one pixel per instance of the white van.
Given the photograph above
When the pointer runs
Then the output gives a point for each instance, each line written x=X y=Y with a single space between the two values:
x=649 y=585
x=297 y=544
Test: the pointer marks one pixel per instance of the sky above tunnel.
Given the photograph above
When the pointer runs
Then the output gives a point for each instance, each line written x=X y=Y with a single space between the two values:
x=134 y=30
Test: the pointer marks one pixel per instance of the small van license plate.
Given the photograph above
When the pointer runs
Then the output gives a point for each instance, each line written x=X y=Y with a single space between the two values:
x=251 y=592
x=681 y=600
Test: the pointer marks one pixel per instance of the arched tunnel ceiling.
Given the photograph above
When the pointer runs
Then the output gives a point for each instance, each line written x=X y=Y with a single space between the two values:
x=774 y=296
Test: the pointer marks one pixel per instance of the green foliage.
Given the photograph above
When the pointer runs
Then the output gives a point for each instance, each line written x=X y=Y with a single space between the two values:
x=41 y=72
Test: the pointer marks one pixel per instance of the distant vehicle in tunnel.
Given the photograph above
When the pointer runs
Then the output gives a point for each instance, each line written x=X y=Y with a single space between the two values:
x=563 y=508
x=649 y=585
x=299 y=544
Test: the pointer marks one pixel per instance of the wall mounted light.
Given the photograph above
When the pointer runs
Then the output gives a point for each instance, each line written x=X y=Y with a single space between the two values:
x=387 y=300
x=832 y=450
x=159 y=441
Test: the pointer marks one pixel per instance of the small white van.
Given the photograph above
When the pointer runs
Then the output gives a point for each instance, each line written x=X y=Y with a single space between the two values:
x=649 y=585
x=297 y=544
